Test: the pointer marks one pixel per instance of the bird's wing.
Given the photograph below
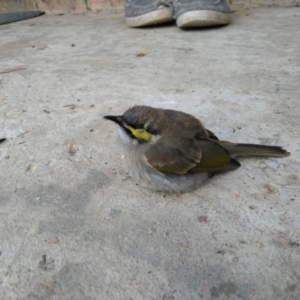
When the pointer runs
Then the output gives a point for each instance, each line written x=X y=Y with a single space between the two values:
x=215 y=158
x=176 y=157
x=198 y=155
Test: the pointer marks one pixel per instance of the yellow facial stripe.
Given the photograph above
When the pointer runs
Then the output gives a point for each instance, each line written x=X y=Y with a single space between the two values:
x=141 y=134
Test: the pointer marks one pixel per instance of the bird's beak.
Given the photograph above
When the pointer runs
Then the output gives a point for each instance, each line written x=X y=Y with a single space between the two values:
x=120 y=122
x=116 y=119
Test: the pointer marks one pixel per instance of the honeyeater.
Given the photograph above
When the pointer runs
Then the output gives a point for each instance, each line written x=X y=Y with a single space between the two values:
x=168 y=150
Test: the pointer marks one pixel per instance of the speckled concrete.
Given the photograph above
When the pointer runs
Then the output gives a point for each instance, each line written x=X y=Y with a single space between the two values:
x=74 y=225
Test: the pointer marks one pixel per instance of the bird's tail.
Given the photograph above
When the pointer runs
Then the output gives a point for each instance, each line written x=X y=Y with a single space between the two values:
x=254 y=150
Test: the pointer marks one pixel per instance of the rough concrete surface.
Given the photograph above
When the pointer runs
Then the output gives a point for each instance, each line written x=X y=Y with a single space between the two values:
x=74 y=225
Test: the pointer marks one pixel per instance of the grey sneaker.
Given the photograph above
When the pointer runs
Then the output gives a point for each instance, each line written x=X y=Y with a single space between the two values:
x=140 y=13
x=202 y=13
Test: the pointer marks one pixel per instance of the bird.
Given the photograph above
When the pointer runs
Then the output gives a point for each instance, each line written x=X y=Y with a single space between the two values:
x=171 y=151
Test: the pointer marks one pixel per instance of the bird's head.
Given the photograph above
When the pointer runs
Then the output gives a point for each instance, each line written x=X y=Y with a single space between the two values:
x=139 y=124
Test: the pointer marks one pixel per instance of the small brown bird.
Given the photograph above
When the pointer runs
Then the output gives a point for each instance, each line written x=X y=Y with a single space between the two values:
x=168 y=150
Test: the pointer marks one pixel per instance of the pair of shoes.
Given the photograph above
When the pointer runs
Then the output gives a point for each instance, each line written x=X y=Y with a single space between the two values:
x=188 y=13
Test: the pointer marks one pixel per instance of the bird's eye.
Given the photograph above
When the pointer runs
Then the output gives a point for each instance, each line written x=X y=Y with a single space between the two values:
x=153 y=131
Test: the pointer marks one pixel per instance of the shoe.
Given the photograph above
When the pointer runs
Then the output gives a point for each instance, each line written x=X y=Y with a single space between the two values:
x=139 y=13
x=202 y=13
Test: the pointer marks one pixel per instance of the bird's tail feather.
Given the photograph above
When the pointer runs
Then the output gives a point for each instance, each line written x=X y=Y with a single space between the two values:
x=254 y=150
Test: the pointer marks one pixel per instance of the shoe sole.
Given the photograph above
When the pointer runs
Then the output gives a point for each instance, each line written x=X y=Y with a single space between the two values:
x=202 y=18
x=156 y=17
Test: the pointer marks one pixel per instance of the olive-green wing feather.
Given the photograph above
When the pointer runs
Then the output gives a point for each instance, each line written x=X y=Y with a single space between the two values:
x=215 y=158
x=175 y=157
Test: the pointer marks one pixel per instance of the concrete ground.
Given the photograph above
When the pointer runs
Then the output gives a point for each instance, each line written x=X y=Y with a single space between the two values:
x=74 y=225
